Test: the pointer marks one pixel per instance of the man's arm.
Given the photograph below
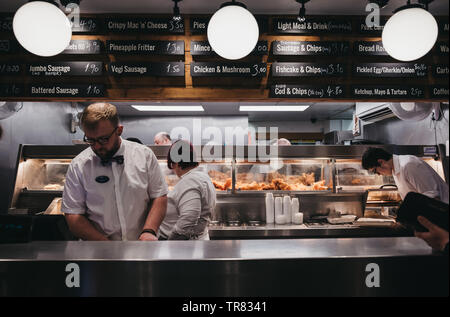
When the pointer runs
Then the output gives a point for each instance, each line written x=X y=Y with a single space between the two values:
x=154 y=218
x=436 y=237
x=82 y=228
x=422 y=183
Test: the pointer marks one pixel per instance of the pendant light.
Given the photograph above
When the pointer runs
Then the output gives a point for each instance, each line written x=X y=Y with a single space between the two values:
x=410 y=33
x=233 y=31
x=302 y=14
x=42 y=28
x=176 y=11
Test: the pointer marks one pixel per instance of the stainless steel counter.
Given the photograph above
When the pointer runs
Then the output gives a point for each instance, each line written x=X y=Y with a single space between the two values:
x=287 y=267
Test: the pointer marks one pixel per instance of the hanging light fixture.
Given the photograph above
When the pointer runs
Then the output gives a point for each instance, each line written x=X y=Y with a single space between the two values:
x=233 y=31
x=410 y=33
x=302 y=14
x=176 y=11
x=381 y=3
x=42 y=28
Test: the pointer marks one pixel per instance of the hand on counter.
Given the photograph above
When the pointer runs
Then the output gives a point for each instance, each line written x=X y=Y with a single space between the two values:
x=147 y=237
x=436 y=237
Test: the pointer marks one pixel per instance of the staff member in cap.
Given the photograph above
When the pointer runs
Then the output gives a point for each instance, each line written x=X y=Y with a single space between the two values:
x=192 y=200
x=410 y=173
x=114 y=189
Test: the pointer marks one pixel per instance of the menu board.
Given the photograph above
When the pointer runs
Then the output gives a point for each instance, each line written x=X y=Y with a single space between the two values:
x=295 y=48
x=81 y=47
x=307 y=91
x=443 y=27
x=442 y=48
x=145 y=25
x=228 y=69
x=6 y=23
x=173 y=69
x=60 y=69
x=10 y=68
x=11 y=90
x=202 y=48
x=145 y=47
x=66 y=90
x=387 y=92
x=391 y=70
x=374 y=30
x=86 y=25
x=311 y=26
x=307 y=69
x=8 y=46
x=199 y=25
x=372 y=48
x=441 y=71
x=439 y=91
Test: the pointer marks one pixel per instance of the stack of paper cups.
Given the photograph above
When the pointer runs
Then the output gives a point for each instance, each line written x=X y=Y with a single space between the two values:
x=279 y=218
x=297 y=218
x=287 y=208
x=270 y=211
x=295 y=208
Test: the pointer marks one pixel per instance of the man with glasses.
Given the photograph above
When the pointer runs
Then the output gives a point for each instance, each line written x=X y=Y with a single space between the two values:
x=114 y=189
x=410 y=173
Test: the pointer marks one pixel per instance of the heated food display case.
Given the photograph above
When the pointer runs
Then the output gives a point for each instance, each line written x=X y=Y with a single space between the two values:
x=327 y=180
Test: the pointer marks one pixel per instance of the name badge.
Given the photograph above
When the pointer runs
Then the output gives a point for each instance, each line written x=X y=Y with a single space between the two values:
x=102 y=179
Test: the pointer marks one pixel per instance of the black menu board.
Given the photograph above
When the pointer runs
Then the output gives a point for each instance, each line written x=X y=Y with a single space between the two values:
x=307 y=69
x=59 y=69
x=443 y=27
x=371 y=29
x=81 y=47
x=442 y=48
x=10 y=68
x=145 y=25
x=8 y=46
x=387 y=92
x=228 y=69
x=67 y=90
x=145 y=47
x=307 y=91
x=311 y=26
x=11 y=90
x=6 y=23
x=86 y=25
x=199 y=25
x=295 y=48
x=439 y=91
x=369 y=48
x=173 y=69
x=391 y=70
x=441 y=71
x=202 y=48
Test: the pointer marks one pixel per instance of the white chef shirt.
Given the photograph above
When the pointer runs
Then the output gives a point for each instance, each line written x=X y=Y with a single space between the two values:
x=411 y=174
x=189 y=206
x=119 y=207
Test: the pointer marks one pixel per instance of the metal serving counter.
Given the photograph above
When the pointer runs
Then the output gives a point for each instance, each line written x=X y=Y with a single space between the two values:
x=306 y=267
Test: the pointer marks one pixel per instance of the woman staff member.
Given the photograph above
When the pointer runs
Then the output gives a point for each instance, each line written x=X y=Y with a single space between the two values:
x=192 y=199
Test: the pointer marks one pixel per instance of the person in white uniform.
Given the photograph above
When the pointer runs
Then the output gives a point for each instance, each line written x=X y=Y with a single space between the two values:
x=192 y=200
x=115 y=189
x=411 y=174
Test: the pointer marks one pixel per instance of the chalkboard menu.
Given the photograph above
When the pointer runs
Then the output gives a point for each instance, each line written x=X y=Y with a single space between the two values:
x=145 y=25
x=59 y=69
x=366 y=48
x=307 y=69
x=10 y=68
x=439 y=91
x=387 y=92
x=66 y=90
x=202 y=48
x=443 y=27
x=199 y=25
x=307 y=91
x=86 y=25
x=441 y=71
x=311 y=26
x=295 y=48
x=374 y=30
x=382 y=70
x=8 y=46
x=174 y=69
x=81 y=47
x=228 y=69
x=11 y=90
x=442 y=48
x=145 y=47
x=6 y=23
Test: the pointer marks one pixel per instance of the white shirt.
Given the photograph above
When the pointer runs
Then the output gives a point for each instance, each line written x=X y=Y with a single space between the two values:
x=119 y=207
x=411 y=174
x=189 y=206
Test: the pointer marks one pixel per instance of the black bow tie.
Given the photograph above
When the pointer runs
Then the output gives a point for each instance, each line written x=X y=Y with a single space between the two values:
x=118 y=159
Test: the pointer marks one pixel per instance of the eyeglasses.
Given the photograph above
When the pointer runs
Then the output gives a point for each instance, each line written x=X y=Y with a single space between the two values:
x=373 y=171
x=102 y=140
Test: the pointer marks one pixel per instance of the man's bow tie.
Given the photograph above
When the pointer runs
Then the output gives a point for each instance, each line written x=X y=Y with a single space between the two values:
x=118 y=159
